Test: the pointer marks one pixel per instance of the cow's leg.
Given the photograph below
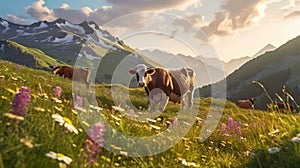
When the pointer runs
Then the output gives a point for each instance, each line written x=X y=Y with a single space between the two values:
x=164 y=101
x=190 y=100
x=152 y=104
x=182 y=103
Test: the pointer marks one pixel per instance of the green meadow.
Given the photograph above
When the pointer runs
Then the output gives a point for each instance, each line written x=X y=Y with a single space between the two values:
x=242 y=138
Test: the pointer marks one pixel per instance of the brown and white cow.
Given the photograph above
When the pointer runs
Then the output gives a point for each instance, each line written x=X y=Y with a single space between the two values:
x=79 y=74
x=246 y=104
x=162 y=85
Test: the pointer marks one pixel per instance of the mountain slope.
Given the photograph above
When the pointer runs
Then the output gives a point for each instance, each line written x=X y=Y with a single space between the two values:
x=30 y=57
x=267 y=48
x=274 y=69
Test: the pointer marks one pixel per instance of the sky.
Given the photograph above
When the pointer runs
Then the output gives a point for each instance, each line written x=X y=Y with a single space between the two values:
x=227 y=29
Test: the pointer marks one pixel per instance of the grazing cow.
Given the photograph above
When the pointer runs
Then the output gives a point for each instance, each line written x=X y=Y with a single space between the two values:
x=246 y=104
x=286 y=106
x=79 y=74
x=162 y=85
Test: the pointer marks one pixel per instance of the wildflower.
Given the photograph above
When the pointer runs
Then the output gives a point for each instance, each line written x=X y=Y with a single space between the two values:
x=150 y=120
x=27 y=142
x=131 y=113
x=230 y=124
x=12 y=116
x=174 y=122
x=274 y=150
x=78 y=101
x=63 y=121
x=95 y=108
x=18 y=67
x=94 y=142
x=239 y=131
x=21 y=101
x=154 y=127
x=59 y=156
x=296 y=139
x=56 y=92
x=273 y=132
x=118 y=108
x=223 y=129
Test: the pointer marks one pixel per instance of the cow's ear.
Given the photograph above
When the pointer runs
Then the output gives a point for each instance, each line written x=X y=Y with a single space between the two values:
x=51 y=66
x=150 y=71
x=132 y=71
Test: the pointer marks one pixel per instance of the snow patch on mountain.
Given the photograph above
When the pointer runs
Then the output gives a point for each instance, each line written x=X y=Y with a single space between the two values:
x=2 y=47
x=6 y=25
x=35 y=33
x=42 y=25
x=69 y=26
x=66 y=39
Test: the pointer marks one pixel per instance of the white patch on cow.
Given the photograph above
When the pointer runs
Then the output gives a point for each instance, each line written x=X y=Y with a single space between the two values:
x=141 y=70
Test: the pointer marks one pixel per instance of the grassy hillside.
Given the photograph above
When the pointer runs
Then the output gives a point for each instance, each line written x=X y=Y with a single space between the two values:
x=30 y=57
x=245 y=142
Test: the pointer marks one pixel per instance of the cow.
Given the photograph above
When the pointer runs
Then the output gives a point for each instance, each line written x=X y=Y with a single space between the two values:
x=286 y=106
x=246 y=104
x=162 y=85
x=79 y=74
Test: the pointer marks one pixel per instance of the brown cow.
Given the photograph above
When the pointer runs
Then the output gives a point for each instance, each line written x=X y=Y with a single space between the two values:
x=79 y=74
x=286 y=106
x=162 y=85
x=246 y=104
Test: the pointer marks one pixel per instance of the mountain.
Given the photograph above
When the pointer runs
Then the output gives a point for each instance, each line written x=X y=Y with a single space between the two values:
x=273 y=69
x=20 y=54
x=85 y=44
x=234 y=64
x=267 y=48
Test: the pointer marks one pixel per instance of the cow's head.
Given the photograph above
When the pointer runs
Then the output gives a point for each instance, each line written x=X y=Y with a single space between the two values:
x=55 y=68
x=252 y=100
x=143 y=74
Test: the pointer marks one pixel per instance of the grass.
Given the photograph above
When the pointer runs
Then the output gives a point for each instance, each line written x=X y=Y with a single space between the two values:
x=25 y=143
x=41 y=59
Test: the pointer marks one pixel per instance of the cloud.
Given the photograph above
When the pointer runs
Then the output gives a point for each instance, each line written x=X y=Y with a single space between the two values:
x=233 y=16
x=16 y=19
x=105 y=13
x=292 y=15
x=40 y=12
x=143 y=5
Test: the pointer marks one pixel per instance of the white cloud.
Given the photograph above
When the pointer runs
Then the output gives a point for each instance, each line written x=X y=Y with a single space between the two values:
x=16 y=19
x=40 y=12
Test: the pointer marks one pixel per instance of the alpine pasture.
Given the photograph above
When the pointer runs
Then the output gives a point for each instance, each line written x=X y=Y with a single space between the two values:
x=40 y=128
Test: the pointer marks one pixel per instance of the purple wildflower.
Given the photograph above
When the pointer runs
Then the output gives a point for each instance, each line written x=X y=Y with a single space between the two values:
x=18 y=67
x=174 y=122
x=239 y=131
x=230 y=124
x=21 y=101
x=94 y=142
x=131 y=113
x=232 y=128
x=56 y=92
x=223 y=129
x=78 y=101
